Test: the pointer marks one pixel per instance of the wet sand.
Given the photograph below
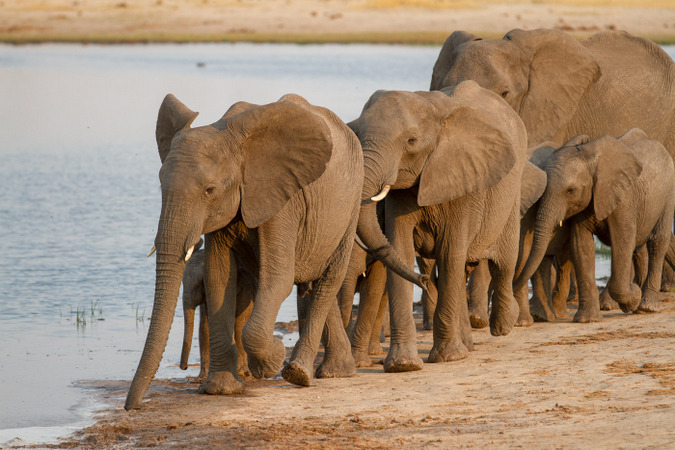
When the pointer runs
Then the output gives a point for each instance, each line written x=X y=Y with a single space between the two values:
x=607 y=384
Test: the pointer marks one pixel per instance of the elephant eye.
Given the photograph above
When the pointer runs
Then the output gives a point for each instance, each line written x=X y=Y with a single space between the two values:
x=570 y=190
x=209 y=190
x=411 y=141
x=505 y=93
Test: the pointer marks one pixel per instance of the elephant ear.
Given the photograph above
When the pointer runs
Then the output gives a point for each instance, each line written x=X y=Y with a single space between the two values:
x=473 y=152
x=532 y=186
x=617 y=170
x=285 y=147
x=173 y=116
x=578 y=140
x=561 y=71
x=446 y=57
x=539 y=155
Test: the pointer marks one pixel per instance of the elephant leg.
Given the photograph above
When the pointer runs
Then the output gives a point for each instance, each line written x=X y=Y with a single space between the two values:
x=372 y=291
x=303 y=301
x=337 y=361
x=244 y=308
x=375 y=347
x=607 y=303
x=583 y=258
x=324 y=311
x=430 y=296
x=203 y=342
x=505 y=311
x=266 y=353
x=621 y=286
x=562 y=288
x=220 y=279
x=656 y=249
x=402 y=355
x=539 y=303
x=641 y=264
x=479 y=286
x=452 y=328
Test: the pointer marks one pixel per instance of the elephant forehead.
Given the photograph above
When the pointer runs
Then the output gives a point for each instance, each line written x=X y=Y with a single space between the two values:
x=487 y=62
x=398 y=106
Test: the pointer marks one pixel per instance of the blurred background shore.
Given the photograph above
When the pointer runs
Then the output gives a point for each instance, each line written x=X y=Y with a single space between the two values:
x=319 y=21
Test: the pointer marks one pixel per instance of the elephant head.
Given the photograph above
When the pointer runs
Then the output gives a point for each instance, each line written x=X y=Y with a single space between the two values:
x=443 y=146
x=542 y=74
x=247 y=165
x=582 y=175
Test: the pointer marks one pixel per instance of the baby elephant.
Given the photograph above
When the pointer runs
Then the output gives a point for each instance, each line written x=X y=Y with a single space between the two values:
x=194 y=296
x=623 y=191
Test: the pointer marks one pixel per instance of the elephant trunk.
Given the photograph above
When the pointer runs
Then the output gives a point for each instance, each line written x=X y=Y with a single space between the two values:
x=172 y=242
x=547 y=218
x=189 y=323
x=372 y=236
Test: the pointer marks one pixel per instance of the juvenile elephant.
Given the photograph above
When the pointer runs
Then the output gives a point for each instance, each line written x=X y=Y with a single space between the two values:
x=453 y=162
x=194 y=296
x=604 y=85
x=623 y=191
x=276 y=190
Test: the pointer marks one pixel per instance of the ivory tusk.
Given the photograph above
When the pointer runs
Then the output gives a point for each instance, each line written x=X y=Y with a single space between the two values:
x=360 y=243
x=561 y=223
x=382 y=194
x=152 y=251
x=364 y=274
x=189 y=253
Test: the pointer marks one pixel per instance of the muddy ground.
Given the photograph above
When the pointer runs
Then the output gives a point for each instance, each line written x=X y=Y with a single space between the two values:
x=564 y=385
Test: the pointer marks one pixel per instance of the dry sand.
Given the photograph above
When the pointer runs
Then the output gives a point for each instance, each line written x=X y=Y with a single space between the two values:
x=319 y=20
x=609 y=384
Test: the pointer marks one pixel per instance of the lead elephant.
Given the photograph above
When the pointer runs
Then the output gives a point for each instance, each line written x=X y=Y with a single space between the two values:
x=453 y=162
x=623 y=191
x=276 y=190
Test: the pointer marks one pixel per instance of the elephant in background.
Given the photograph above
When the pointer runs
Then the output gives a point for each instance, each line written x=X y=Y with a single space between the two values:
x=194 y=296
x=623 y=191
x=604 y=85
x=276 y=191
x=453 y=162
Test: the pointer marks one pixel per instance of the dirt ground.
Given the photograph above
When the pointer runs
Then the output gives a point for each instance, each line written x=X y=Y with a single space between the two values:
x=425 y=21
x=609 y=384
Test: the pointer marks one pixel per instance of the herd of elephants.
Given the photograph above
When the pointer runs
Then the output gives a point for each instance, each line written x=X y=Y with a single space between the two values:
x=524 y=150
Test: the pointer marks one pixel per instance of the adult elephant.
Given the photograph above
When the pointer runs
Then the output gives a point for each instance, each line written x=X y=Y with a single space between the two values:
x=453 y=162
x=623 y=191
x=604 y=85
x=276 y=189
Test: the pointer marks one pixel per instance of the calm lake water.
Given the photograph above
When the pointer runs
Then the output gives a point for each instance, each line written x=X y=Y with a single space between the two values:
x=80 y=198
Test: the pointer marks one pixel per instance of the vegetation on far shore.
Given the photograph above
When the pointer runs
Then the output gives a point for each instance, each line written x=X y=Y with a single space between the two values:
x=408 y=38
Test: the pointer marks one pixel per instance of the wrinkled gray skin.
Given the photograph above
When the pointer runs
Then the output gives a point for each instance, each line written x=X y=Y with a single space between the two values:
x=604 y=85
x=533 y=183
x=194 y=296
x=454 y=163
x=623 y=191
x=275 y=189
x=561 y=88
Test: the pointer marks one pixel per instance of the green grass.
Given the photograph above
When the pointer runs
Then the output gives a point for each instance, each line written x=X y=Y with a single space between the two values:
x=603 y=250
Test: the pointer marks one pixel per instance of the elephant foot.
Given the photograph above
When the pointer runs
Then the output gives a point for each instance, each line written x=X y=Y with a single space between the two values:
x=524 y=319
x=221 y=383
x=294 y=373
x=448 y=350
x=374 y=348
x=540 y=311
x=503 y=319
x=607 y=303
x=402 y=357
x=428 y=324
x=268 y=366
x=478 y=320
x=342 y=366
x=649 y=304
x=628 y=302
x=202 y=376
x=361 y=359
x=560 y=310
x=587 y=315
